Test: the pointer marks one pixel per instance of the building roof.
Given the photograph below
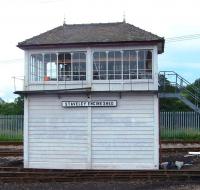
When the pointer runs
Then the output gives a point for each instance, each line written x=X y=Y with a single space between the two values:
x=92 y=34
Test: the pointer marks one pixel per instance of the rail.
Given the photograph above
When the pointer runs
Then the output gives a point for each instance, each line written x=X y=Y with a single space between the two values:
x=171 y=82
x=16 y=174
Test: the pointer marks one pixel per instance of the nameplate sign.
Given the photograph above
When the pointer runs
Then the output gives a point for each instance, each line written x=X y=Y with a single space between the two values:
x=95 y=103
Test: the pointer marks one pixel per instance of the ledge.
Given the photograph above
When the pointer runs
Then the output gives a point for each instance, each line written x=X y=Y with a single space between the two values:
x=79 y=90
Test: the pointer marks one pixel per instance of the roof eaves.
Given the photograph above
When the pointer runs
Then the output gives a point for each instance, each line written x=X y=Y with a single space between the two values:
x=79 y=44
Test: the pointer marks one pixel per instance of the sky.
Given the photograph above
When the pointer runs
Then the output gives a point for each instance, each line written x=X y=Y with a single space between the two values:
x=22 y=19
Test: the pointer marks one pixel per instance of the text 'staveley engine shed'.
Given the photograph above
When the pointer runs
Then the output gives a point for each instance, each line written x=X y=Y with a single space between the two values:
x=91 y=97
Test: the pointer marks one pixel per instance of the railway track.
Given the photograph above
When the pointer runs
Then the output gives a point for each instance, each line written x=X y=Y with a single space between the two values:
x=11 y=153
x=163 y=150
x=6 y=152
x=176 y=150
x=18 y=174
x=179 y=142
x=7 y=143
x=10 y=143
x=41 y=175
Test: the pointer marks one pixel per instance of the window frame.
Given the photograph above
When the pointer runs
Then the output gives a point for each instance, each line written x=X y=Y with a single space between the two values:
x=107 y=50
x=43 y=53
x=89 y=63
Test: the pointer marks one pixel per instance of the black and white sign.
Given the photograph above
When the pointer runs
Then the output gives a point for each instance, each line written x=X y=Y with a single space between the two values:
x=95 y=103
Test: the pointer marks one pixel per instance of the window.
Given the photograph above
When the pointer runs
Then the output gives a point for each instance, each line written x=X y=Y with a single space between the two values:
x=114 y=65
x=148 y=64
x=64 y=67
x=36 y=67
x=99 y=66
x=50 y=64
x=144 y=64
x=70 y=66
x=127 y=64
x=79 y=66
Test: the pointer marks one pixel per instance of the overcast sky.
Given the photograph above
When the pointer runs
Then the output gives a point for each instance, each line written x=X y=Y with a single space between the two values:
x=22 y=19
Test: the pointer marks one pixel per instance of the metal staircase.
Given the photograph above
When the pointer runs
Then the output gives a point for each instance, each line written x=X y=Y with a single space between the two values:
x=172 y=85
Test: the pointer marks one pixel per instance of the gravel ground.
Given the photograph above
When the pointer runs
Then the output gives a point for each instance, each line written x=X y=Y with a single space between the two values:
x=11 y=162
x=133 y=185
x=180 y=145
x=139 y=185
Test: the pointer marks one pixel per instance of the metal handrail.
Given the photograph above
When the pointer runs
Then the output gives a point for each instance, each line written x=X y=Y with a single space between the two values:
x=182 y=87
x=181 y=78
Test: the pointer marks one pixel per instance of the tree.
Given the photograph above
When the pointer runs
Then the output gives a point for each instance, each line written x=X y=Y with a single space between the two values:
x=13 y=108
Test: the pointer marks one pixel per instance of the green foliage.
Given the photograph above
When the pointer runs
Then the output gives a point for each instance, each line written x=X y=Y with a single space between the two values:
x=180 y=134
x=13 y=108
x=195 y=89
x=171 y=105
x=16 y=138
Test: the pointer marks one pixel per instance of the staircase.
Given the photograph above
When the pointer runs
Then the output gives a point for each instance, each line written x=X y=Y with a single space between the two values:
x=172 y=85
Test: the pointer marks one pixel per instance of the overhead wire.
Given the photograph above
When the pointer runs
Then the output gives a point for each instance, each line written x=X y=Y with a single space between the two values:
x=183 y=38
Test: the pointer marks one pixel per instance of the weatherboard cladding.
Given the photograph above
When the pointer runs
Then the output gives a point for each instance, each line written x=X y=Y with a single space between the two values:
x=91 y=33
x=121 y=137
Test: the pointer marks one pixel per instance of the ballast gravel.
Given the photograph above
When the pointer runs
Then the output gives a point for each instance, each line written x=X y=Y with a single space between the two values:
x=137 y=185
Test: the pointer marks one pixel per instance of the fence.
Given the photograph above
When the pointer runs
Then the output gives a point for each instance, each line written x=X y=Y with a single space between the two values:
x=11 y=127
x=180 y=125
x=173 y=125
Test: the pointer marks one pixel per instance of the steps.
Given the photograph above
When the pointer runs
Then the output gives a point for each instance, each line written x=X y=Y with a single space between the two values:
x=172 y=85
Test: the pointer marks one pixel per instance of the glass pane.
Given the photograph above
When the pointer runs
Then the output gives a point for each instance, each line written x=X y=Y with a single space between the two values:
x=50 y=67
x=118 y=65
x=53 y=66
x=82 y=71
x=102 y=63
x=36 y=71
x=96 y=71
x=141 y=69
x=67 y=66
x=133 y=56
x=118 y=70
x=141 y=55
x=82 y=56
x=111 y=65
x=79 y=66
x=129 y=64
x=76 y=57
x=126 y=70
x=75 y=71
x=96 y=56
x=47 y=71
x=61 y=66
x=96 y=66
x=99 y=66
x=148 y=55
x=103 y=70
x=111 y=70
x=126 y=64
x=102 y=56
x=148 y=64
x=133 y=65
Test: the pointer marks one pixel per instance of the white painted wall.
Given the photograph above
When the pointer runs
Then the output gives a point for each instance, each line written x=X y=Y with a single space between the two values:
x=122 y=137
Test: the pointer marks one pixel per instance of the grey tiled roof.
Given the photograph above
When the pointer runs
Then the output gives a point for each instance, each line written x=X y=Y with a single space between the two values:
x=91 y=33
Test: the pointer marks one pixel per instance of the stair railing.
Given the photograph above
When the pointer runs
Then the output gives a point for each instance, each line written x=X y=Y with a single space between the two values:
x=179 y=84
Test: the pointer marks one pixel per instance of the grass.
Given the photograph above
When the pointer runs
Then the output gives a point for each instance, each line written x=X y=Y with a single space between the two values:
x=174 y=134
x=16 y=138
